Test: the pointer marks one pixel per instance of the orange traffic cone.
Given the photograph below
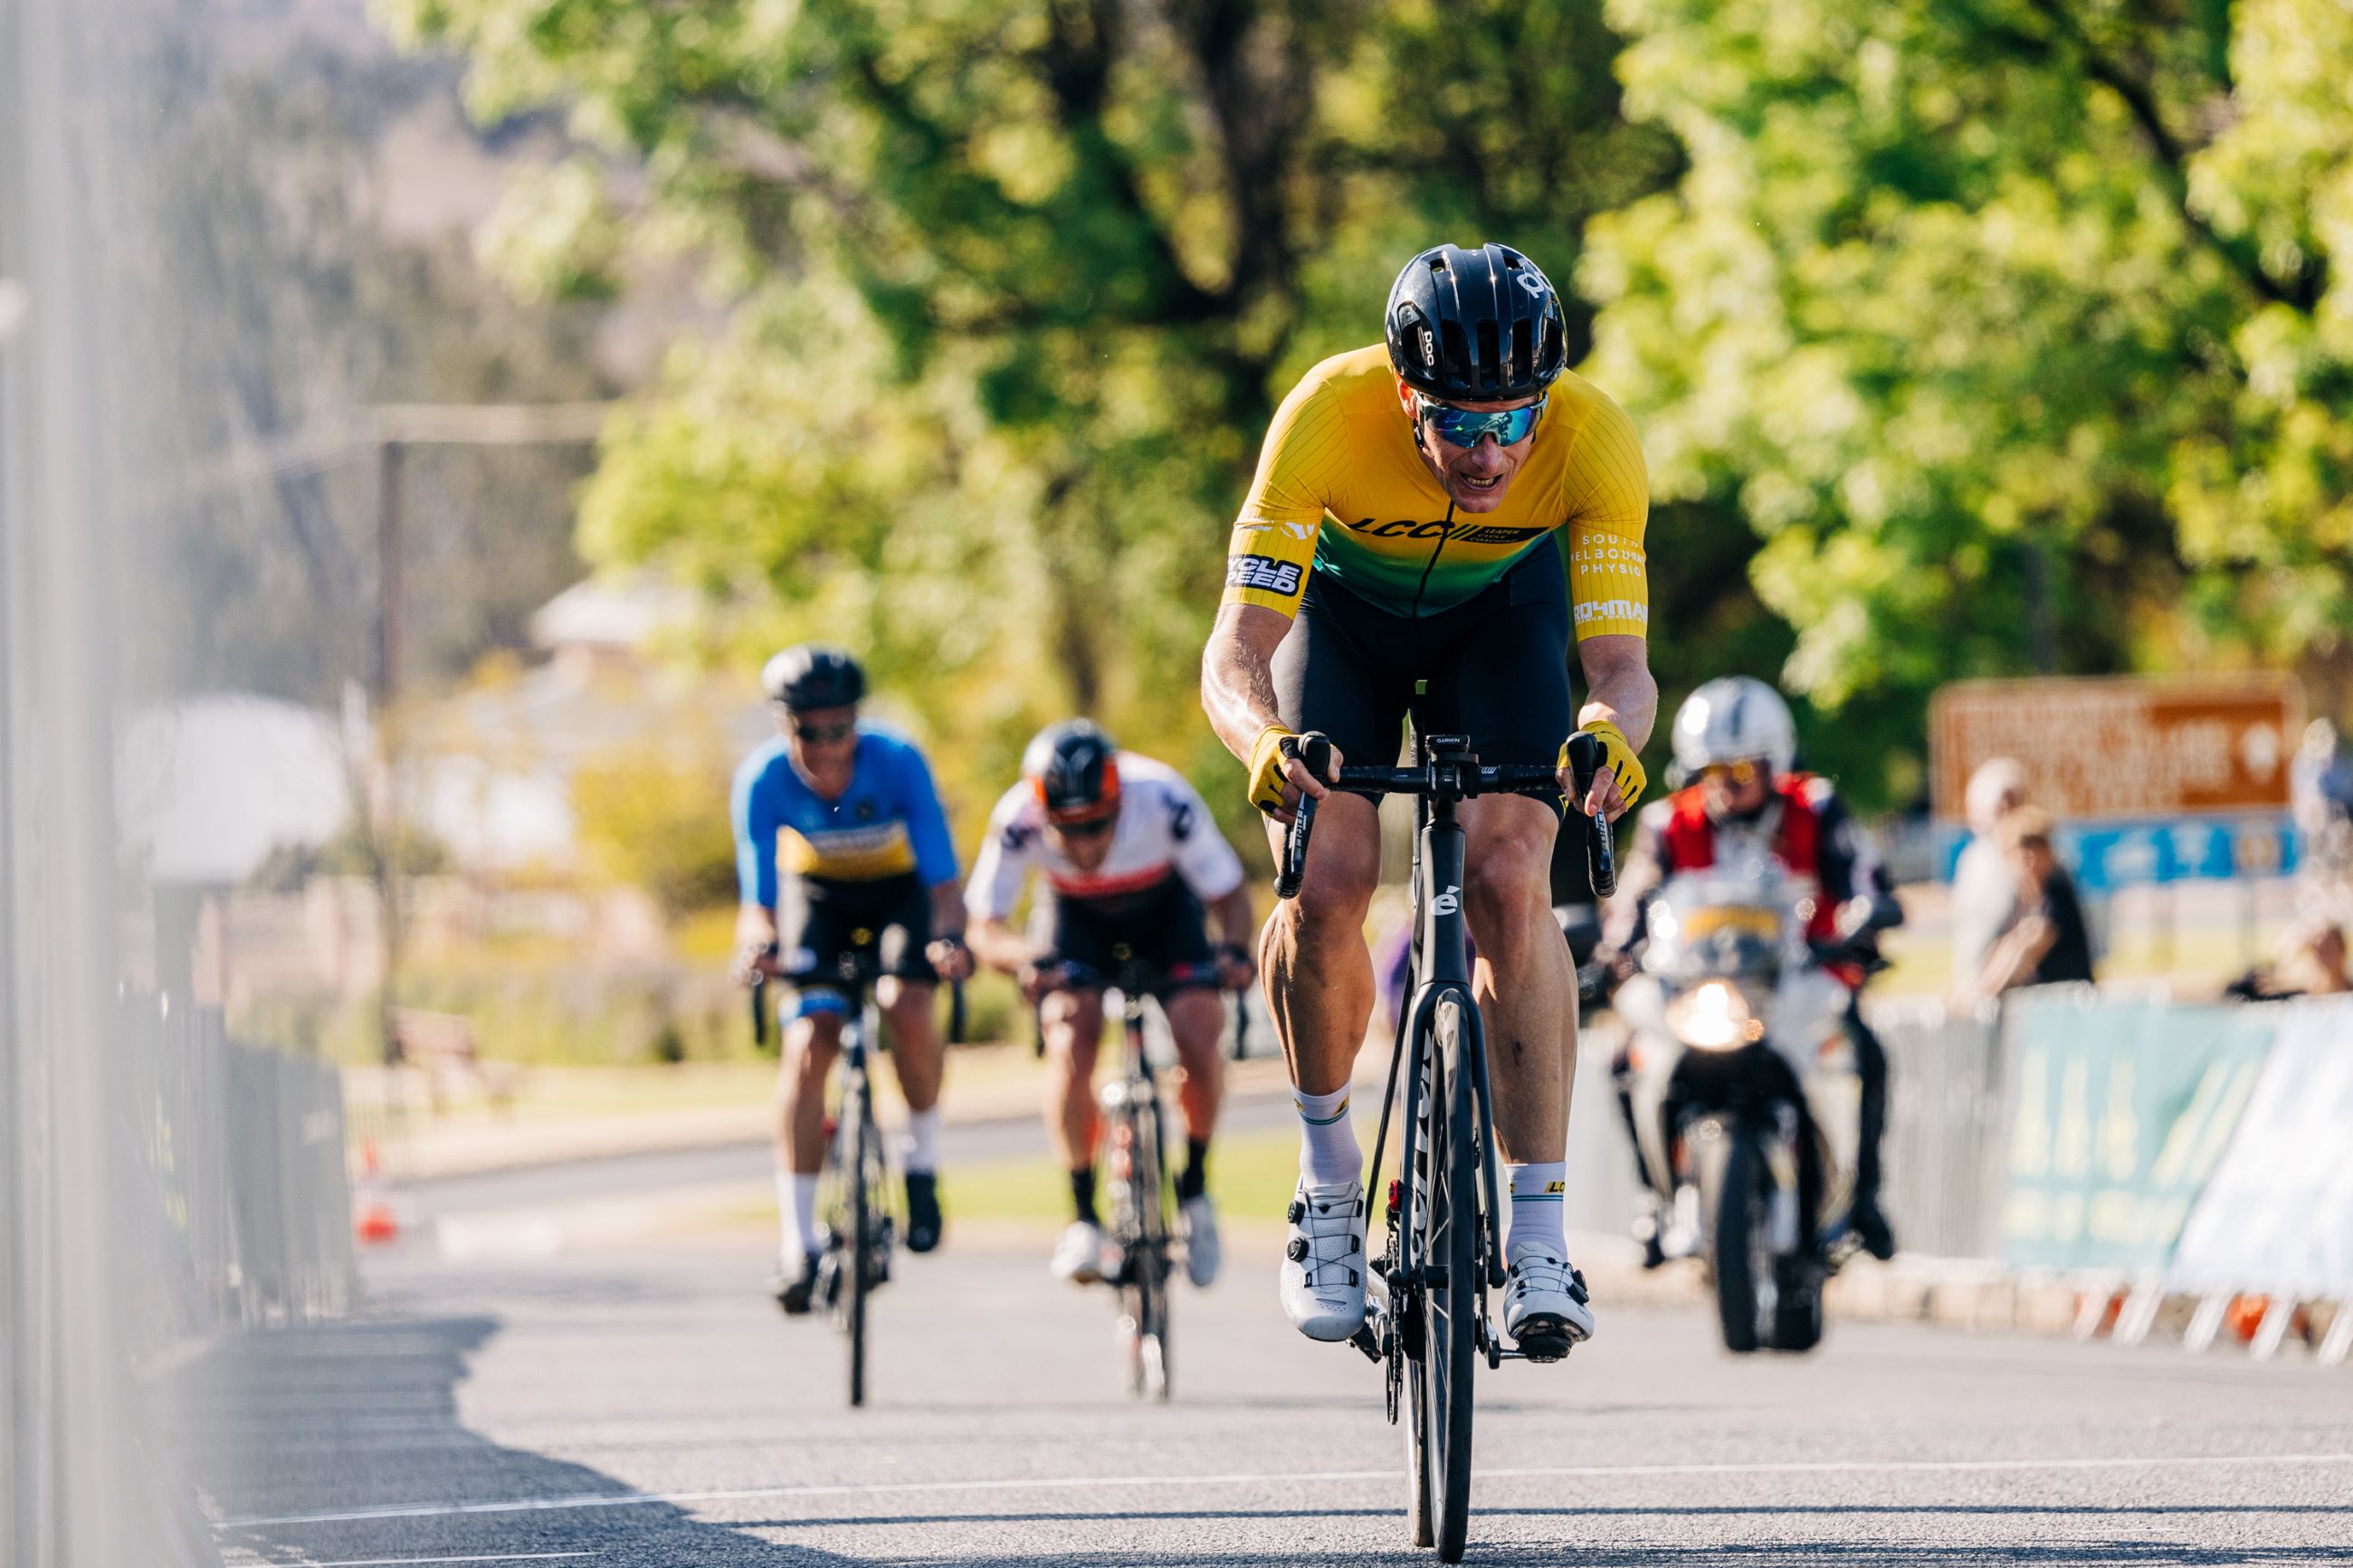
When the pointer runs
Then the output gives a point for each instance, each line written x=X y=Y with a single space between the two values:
x=372 y=1216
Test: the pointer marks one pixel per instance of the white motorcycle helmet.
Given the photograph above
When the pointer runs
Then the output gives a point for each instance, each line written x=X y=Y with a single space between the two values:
x=1733 y=719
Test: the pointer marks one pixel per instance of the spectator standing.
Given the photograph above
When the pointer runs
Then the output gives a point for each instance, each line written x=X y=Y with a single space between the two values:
x=2047 y=942
x=1985 y=886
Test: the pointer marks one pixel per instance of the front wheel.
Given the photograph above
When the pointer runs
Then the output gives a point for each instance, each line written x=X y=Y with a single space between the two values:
x=1144 y=1293
x=862 y=1258
x=1450 y=1304
x=1746 y=1297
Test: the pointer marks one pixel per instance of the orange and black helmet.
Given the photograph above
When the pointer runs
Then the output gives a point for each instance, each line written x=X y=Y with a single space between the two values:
x=1074 y=768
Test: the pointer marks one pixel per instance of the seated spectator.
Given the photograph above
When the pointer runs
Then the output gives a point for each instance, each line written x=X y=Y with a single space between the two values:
x=2046 y=942
x=2311 y=963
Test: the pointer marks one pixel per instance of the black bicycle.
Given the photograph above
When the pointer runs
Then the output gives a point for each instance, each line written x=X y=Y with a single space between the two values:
x=1142 y=1189
x=1443 y=1249
x=860 y=1220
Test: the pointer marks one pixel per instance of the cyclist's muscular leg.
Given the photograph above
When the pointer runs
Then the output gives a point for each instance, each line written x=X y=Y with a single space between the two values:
x=1318 y=972
x=811 y=1043
x=1197 y=1017
x=915 y=1053
x=1073 y=1029
x=1527 y=988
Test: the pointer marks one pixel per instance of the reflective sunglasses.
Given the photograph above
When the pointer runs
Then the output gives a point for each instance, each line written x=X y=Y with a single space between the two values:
x=1461 y=427
x=824 y=734
x=1739 y=775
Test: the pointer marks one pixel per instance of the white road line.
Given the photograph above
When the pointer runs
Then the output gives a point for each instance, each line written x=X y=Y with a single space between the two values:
x=1113 y=1483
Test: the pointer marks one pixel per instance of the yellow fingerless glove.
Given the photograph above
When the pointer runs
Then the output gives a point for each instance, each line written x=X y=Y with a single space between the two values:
x=1618 y=755
x=1266 y=765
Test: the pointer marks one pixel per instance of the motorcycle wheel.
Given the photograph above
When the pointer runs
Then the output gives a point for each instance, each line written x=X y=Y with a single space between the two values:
x=1745 y=1299
x=1798 y=1305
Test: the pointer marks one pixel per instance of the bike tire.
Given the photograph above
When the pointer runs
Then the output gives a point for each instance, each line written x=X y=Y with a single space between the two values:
x=1451 y=1313
x=1149 y=1202
x=862 y=1242
x=1743 y=1255
x=1413 y=1340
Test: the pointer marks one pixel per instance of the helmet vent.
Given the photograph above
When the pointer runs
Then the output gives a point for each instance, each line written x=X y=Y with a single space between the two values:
x=1524 y=354
x=1458 y=352
x=1490 y=353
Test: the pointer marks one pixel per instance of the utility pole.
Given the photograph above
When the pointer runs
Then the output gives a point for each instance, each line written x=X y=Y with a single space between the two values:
x=396 y=426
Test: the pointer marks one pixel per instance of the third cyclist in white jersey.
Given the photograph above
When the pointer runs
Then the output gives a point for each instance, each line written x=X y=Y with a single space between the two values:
x=1129 y=856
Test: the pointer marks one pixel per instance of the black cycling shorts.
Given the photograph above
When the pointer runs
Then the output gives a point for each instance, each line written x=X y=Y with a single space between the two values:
x=1163 y=925
x=1495 y=668
x=821 y=920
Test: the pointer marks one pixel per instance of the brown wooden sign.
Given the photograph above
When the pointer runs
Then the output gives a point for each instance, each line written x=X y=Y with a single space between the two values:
x=2121 y=746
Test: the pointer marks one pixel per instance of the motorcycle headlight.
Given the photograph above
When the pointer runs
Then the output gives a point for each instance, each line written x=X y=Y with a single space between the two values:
x=1714 y=1016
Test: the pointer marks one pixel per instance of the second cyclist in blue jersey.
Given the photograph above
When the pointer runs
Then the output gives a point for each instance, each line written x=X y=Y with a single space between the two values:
x=841 y=843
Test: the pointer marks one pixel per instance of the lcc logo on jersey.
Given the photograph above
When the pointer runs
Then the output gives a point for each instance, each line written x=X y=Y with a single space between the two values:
x=1262 y=572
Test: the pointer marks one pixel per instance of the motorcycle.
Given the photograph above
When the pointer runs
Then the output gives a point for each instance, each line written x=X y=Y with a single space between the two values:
x=1743 y=1098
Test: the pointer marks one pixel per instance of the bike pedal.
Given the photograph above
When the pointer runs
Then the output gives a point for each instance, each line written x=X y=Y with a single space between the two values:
x=1364 y=1340
x=1541 y=1347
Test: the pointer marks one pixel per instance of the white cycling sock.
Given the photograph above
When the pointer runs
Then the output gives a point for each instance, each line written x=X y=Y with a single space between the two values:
x=1536 y=1189
x=923 y=1154
x=1328 y=1155
x=796 y=1207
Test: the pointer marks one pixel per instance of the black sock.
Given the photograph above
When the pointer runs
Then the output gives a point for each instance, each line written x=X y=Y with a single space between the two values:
x=1194 y=1178
x=1083 y=1194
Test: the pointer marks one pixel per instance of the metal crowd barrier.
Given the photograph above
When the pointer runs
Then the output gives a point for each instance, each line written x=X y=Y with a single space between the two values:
x=1947 y=1075
x=243 y=1149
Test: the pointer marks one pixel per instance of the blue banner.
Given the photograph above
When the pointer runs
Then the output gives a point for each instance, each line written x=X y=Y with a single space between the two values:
x=2120 y=1111
x=2105 y=855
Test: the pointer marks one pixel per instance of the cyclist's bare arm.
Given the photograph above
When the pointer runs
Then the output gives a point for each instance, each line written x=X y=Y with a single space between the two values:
x=1620 y=689
x=1237 y=921
x=946 y=951
x=995 y=944
x=756 y=934
x=1237 y=689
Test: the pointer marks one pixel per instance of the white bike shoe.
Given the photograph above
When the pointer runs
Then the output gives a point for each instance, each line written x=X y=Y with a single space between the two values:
x=1323 y=1276
x=1084 y=1256
x=1197 y=1221
x=1545 y=1307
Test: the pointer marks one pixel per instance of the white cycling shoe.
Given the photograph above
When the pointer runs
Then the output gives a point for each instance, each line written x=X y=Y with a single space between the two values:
x=1084 y=1256
x=1198 y=1222
x=1545 y=1307
x=1323 y=1276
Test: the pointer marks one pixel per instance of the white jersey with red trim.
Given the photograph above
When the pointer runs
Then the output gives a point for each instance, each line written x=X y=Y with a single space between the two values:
x=1163 y=828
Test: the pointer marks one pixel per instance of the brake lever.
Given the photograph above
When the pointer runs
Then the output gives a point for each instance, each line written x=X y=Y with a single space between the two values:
x=1585 y=754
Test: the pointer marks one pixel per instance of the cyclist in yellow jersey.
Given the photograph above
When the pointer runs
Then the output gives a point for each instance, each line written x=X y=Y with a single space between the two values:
x=1421 y=510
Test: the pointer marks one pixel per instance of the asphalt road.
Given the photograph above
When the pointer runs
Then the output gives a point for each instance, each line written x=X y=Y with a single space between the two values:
x=653 y=1409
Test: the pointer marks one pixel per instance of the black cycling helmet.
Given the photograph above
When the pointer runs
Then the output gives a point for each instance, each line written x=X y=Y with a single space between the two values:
x=814 y=675
x=1475 y=326
x=1074 y=767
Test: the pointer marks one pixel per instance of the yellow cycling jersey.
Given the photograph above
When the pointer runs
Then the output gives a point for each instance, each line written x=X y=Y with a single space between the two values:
x=1342 y=489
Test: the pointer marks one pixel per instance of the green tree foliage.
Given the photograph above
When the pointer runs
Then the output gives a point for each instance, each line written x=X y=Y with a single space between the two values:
x=280 y=310
x=1012 y=289
x=647 y=820
x=2020 y=330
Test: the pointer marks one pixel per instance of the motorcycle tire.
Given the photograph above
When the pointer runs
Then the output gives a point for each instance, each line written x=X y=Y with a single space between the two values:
x=1743 y=1253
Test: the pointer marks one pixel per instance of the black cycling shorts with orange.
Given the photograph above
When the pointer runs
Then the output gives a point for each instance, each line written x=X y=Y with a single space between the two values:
x=1163 y=925
x=1495 y=668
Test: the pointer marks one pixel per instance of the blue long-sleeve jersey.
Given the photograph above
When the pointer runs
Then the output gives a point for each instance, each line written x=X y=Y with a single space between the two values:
x=887 y=823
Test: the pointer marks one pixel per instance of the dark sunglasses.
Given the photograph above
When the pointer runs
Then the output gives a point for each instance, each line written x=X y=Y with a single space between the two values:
x=1463 y=427
x=824 y=734
x=1093 y=829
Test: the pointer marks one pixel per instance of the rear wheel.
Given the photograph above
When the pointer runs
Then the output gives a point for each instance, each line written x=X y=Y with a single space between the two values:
x=1450 y=1250
x=1746 y=1297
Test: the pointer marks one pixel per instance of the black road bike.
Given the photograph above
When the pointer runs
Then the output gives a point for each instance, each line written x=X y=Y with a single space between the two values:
x=1142 y=1190
x=855 y=1191
x=1443 y=1247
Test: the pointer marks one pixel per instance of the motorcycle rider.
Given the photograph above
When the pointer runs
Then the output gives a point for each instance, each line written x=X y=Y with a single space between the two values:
x=1736 y=745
